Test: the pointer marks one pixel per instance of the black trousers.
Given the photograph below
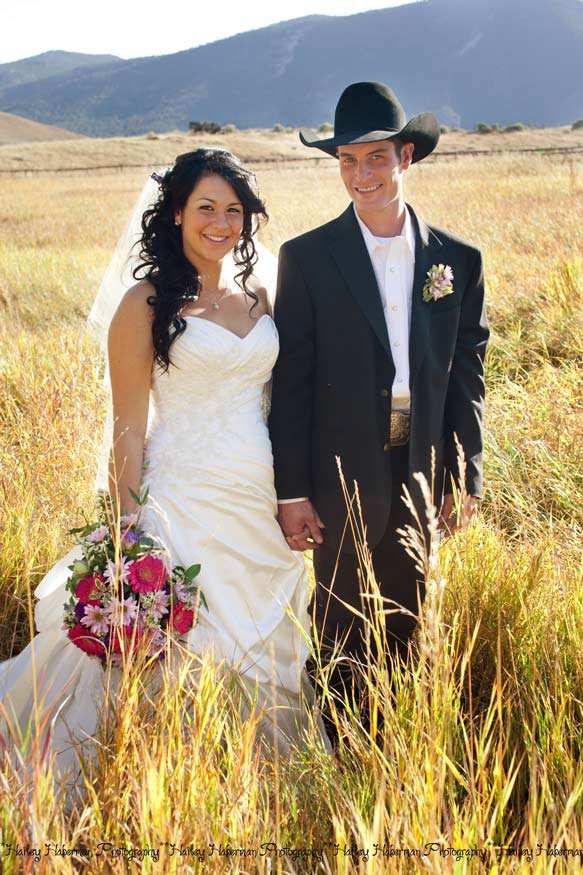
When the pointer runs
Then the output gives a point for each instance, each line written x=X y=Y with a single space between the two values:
x=398 y=580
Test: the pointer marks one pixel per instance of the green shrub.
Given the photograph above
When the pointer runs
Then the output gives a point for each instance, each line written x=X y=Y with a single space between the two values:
x=205 y=127
x=576 y=126
x=517 y=126
x=325 y=128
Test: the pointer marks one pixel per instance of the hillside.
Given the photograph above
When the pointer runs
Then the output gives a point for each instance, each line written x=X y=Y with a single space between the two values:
x=16 y=129
x=488 y=60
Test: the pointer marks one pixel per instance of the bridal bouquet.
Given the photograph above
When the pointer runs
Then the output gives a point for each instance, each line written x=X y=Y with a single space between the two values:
x=125 y=596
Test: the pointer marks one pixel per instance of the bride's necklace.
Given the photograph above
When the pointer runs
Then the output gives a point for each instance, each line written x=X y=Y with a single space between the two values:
x=216 y=304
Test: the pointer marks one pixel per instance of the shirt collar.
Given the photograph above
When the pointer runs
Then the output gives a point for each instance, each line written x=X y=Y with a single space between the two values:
x=372 y=242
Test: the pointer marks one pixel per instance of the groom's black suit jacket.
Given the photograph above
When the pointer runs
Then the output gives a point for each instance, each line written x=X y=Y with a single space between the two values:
x=332 y=382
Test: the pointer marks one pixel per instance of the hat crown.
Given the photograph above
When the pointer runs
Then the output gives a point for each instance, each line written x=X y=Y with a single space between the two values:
x=368 y=106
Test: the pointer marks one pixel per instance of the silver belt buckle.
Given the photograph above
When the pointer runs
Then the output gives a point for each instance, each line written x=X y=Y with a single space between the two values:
x=400 y=428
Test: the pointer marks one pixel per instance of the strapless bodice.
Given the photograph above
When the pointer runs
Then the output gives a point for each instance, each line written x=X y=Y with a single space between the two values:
x=211 y=399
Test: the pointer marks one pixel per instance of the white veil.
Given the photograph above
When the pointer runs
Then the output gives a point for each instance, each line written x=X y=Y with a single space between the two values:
x=118 y=278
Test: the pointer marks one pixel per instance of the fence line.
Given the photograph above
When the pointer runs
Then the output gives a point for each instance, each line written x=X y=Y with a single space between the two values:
x=544 y=151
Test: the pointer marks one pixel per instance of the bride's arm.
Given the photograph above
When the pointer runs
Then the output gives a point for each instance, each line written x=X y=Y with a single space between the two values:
x=131 y=355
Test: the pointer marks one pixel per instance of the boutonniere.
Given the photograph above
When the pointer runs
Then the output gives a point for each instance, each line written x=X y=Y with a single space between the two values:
x=438 y=283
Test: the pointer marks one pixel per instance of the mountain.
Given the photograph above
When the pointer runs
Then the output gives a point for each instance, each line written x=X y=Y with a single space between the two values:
x=46 y=65
x=15 y=129
x=467 y=60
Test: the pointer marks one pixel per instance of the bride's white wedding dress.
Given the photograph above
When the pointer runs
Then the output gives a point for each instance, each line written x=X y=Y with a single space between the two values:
x=211 y=501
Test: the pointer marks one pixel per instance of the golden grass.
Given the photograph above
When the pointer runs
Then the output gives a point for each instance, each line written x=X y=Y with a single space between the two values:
x=480 y=750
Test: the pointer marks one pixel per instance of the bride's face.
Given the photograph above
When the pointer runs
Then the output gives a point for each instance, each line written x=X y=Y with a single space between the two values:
x=211 y=220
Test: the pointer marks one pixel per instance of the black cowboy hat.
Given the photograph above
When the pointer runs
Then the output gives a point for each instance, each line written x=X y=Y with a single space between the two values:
x=370 y=111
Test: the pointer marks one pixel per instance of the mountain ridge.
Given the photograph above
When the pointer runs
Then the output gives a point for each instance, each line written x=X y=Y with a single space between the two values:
x=48 y=64
x=465 y=64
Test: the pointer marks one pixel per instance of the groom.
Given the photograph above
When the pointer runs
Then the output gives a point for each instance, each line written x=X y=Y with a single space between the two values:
x=383 y=333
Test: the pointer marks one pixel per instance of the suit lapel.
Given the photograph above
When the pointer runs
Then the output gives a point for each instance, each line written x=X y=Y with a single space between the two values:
x=427 y=246
x=351 y=255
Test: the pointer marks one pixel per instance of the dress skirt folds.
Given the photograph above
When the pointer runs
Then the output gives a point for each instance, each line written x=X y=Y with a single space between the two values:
x=211 y=501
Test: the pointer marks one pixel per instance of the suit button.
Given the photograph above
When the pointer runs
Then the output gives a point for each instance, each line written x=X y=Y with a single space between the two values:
x=387 y=448
x=384 y=393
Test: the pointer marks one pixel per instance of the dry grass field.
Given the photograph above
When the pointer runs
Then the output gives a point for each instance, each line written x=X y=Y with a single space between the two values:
x=250 y=145
x=478 y=766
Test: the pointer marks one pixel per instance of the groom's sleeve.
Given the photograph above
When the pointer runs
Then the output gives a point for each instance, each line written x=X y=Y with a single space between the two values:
x=464 y=406
x=290 y=420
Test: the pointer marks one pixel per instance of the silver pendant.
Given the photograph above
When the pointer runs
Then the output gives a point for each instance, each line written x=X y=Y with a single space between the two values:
x=215 y=305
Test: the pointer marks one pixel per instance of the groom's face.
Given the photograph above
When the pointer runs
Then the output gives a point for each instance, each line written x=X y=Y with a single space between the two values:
x=373 y=172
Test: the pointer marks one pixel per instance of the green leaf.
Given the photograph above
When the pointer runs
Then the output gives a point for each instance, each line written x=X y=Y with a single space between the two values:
x=140 y=498
x=135 y=496
x=146 y=541
x=191 y=573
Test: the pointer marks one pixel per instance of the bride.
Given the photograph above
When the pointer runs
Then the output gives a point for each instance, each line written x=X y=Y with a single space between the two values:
x=191 y=348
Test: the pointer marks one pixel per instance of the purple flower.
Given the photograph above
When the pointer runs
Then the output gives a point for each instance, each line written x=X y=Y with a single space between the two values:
x=128 y=520
x=160 y=606
x=97 y=535
x=129 y=539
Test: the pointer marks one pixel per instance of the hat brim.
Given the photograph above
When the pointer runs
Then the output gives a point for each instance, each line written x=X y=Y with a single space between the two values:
x=422 y=130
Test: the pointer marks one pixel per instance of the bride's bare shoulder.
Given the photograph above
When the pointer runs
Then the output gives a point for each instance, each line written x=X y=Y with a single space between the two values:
x=257 y=288
x=132 y=321
x=135 y=305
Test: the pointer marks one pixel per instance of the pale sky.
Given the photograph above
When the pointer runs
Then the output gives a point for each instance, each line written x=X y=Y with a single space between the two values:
x=133 y=28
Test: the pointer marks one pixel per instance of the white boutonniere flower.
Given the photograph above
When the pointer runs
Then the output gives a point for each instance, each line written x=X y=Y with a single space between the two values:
x=438 y=283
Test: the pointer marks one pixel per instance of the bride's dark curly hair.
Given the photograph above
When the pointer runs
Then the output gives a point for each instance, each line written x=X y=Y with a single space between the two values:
x=162 y=259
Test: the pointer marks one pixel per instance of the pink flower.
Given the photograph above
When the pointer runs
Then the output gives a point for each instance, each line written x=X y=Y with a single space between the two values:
x=147 y=574
x=118 y=571
x=160 y=605
x=122 y=612
x=85 y=641
x=96 y=618
x=183 y=594
x=439 y=282
x=89 y=590
x=181 y=618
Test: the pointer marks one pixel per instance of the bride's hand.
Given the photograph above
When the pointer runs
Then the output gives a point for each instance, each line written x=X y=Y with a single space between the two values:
x=301 y=525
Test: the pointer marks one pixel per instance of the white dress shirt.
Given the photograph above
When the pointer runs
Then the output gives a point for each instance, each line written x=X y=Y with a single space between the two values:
x=393 y=261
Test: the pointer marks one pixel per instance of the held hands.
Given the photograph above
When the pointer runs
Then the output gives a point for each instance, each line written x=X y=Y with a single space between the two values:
x=301 y=525
x=450 y=519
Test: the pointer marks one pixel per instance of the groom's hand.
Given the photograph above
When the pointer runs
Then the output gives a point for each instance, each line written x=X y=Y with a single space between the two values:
x=451 y=518
x=301 y=525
